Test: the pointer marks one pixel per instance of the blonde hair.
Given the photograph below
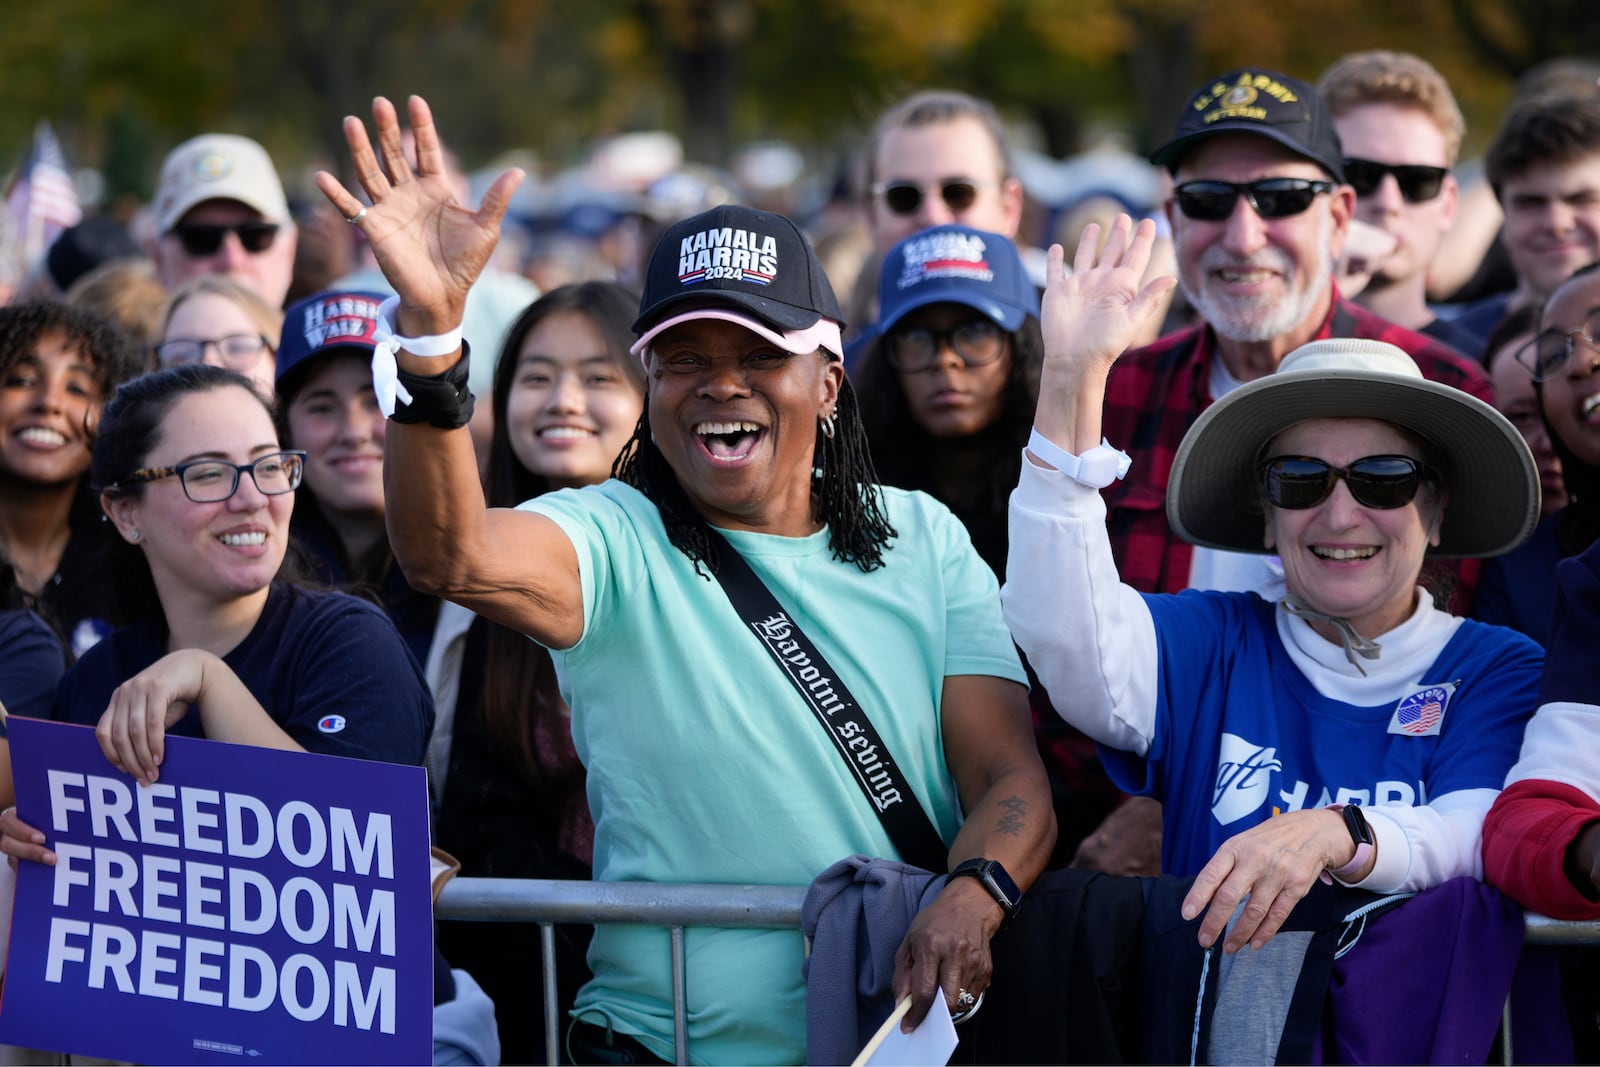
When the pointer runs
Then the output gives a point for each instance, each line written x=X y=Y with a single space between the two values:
x=129 y=293
x=267 y=319
x=1398 y=78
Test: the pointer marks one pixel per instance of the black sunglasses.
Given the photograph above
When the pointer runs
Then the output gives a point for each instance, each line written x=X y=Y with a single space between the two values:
x=1418 y=184
x=1272 y=198
x=1547 y=354
x=203 y=239
x=904 y=198
x=978 y=342
x=1383 y=482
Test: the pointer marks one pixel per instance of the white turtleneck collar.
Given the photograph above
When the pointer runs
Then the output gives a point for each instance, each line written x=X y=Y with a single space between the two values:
x=1408 y=650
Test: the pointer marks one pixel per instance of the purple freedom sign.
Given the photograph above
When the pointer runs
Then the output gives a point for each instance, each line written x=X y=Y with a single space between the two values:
x=251 y=905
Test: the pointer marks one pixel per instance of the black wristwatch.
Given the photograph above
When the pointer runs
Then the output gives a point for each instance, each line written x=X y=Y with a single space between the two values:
x=1356 y=823
x=995 y=879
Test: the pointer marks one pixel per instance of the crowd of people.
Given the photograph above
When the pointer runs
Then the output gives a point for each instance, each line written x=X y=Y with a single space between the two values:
x=1247 y=543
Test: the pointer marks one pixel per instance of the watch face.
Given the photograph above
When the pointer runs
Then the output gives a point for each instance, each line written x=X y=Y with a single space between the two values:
x=1360 y=831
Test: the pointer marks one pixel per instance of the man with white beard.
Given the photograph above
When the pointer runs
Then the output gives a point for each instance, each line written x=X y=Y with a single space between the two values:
x=1259 y=214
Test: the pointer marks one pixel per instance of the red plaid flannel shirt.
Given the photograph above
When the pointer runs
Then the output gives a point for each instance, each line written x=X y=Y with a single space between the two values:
x=1155 y=394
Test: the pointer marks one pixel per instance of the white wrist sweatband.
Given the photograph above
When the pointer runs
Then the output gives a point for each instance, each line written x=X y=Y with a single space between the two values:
x=1096 y=468
x=385 y=371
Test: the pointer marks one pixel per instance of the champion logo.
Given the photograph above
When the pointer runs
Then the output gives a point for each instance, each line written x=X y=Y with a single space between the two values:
x=729 y=254
x=331 y=724
x=1421 y=714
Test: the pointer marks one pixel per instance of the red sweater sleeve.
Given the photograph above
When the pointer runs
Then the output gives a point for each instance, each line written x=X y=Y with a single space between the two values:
x=1525 y=841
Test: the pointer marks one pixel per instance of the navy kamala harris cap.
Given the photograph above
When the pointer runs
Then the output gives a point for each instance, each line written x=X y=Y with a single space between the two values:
x=956 y=265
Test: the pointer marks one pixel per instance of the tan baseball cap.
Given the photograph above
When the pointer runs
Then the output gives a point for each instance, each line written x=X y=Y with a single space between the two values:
x=219 y=166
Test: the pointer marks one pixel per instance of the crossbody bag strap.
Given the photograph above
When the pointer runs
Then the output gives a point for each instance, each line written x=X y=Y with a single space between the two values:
x=842 y=718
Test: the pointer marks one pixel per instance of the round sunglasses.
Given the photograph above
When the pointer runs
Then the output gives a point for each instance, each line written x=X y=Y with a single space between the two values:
x=1272 y=198
x=1295 y=483
x=904 y=198
x=1418 y=184
x=978 y=342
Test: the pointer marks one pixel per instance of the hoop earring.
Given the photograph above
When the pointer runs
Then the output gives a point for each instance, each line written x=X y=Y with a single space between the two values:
x=827 y=423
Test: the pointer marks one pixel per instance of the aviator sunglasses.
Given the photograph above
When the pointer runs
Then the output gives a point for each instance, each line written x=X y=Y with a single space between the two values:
x=1418 y=184
x=1295 y=483
x=904 y=198
x=203 y=239
x=1272 y=198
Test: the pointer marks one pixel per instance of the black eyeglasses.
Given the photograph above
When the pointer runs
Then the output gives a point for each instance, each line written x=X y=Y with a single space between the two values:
x=203 y=239
x=238 y=351
x=1383 y=482
x=1547 y=354
x=1272 y=198
x=977 y=341
x=1418 y=184
x=208 y=481
x=904 y=198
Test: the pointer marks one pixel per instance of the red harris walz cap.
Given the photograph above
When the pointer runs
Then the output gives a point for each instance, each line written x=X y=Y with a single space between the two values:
x=735 y=257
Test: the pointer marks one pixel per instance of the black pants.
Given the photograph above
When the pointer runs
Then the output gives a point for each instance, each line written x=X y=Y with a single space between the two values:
x=590 y=1044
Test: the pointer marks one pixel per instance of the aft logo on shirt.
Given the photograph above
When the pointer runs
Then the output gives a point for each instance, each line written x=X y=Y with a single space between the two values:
x=1244 y=775
x=1421 y=714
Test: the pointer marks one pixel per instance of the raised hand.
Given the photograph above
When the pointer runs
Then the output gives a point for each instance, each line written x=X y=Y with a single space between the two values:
x=1096 y=311
x=1089 y=317
x=429 y=246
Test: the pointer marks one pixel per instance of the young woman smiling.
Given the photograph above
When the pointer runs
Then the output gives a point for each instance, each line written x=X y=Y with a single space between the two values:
x=328 y=409
x=567 y=396
x=58 y=364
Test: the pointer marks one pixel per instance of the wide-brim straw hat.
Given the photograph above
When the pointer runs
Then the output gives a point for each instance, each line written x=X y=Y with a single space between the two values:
x=1214 y=495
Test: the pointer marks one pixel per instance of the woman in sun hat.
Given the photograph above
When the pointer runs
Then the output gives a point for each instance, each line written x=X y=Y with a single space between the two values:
x=706 y=762
x=1376 y=728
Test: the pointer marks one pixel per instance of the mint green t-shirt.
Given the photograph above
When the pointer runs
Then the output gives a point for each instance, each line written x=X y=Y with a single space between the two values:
x=705 y=766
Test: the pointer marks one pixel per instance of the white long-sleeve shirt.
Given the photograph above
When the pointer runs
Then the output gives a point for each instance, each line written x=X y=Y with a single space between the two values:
x=1094 y=643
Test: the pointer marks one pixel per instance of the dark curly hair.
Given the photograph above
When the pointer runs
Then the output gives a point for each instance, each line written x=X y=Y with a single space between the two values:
x=115 y=356
x=846 y=496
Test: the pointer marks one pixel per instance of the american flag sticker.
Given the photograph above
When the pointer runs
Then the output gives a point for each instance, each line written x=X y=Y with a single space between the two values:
x=1421 y=714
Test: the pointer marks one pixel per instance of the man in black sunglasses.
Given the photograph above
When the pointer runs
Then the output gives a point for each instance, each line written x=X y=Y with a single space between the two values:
x=1400 y=129
x=939 y=157
x=220 y=209
x=1260 y=209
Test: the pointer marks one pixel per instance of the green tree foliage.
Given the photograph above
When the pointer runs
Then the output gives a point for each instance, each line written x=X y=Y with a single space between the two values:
x=123 y=82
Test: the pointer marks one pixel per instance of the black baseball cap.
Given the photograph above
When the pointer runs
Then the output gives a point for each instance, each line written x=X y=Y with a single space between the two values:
x=752 y=267
x=1262 y=102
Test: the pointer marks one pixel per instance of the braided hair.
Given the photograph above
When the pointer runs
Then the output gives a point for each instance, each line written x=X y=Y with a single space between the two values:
x=844 y=492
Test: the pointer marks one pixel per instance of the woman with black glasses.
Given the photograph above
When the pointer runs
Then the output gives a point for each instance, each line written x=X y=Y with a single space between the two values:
x=200 y=492
x=1352 y=730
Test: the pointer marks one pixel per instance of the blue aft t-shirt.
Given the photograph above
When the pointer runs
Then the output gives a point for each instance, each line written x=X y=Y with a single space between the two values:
x=1242 y=735
x=330 y=669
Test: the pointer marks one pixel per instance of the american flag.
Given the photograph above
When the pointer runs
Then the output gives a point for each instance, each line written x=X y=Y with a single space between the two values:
x=40 y=199
x=1421 y=716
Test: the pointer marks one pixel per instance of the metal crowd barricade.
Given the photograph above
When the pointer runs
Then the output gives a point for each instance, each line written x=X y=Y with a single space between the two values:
x=676 y=907
x=650 y=903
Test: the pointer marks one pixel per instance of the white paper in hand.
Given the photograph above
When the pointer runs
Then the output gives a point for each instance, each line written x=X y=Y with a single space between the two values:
x=933 y=1042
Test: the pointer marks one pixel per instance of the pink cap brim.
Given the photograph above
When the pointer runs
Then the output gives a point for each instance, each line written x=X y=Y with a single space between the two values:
x=823 y=334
